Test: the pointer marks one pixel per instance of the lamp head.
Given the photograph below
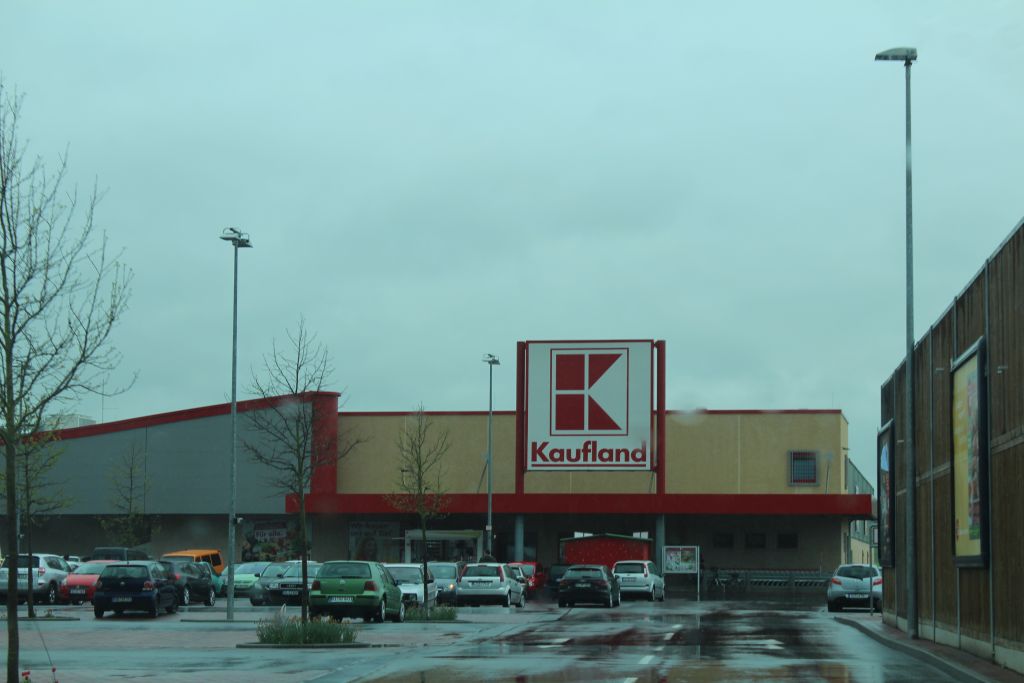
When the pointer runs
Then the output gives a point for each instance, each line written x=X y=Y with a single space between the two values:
x=491 y=359
x=897 y=54
x=238 y=238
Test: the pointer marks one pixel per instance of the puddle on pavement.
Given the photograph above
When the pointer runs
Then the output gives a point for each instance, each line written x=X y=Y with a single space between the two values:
x=574 y=675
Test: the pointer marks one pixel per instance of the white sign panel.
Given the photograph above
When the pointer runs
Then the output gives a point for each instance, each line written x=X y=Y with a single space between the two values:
x=589 y=405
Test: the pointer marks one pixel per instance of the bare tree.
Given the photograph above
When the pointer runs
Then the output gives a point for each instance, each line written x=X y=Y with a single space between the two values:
x=37 y=493
x=420 y=481
x=285 y=440
x=61 y=295
x=129 y=526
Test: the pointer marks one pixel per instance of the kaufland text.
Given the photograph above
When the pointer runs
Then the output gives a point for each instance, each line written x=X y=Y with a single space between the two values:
x=590 y=453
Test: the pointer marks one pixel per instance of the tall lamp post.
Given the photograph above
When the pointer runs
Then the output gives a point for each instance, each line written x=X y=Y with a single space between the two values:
x=491 y=361
x=907 y=55
x=239 y=240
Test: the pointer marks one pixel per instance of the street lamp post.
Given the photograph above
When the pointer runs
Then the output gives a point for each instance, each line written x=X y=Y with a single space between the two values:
x=908 y=55
x=239 y=240
x=491 y=361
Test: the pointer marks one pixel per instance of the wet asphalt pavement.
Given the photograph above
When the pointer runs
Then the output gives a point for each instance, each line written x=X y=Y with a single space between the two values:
x=639 y=642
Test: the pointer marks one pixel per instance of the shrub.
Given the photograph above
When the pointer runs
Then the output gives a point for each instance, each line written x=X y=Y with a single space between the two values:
x=436 y=614
x=281 y=631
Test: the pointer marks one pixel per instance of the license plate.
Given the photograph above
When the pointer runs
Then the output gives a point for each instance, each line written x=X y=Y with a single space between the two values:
x=122 y=598
x=583 y=585
x=339 y=599
x=77 y=590
x=289 y=592
x=481 y=583
x=857 y=596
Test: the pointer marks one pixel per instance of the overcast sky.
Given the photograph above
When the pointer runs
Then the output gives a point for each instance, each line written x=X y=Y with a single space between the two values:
x=430 y=181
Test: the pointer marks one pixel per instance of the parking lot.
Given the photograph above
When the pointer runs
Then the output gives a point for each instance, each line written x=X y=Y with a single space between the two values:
x=640 y=641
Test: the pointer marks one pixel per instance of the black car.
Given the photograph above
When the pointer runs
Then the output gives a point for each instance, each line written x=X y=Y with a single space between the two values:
x=192 y=583
x=135 y=586
x=555 y=572
x=260 y=590
x=588 y=583
x=287 y=589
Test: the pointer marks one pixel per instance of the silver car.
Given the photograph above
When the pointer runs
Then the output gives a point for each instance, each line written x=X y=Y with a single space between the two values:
x=490 y=582
x=640 y=578
x=48 y=571
x=409 y=578
x=855 y=585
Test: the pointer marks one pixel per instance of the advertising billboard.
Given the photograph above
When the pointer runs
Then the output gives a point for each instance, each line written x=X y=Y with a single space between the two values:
x=886 y=498
x=589 y=405
x=970 y=461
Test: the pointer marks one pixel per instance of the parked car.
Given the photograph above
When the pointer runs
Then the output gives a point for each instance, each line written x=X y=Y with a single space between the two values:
x=211 y=555
x=118 y=553
x=217 y=580
x=855 y=585
x=446 y=574
x=356 y=589
x=519 y=577
x=274 y=571
x=80 y=584
x=246 y=575
x=287 y=589
x=409 y=578
x=190 y=581
x=73 y=561
x=490 y=582
x=555 y=572
x=47 y=572
x=535 y=576
x=135 y=586
x=640 y=578
x=592 y=583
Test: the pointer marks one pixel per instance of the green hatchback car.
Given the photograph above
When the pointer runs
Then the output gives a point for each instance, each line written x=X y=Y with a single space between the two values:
x=356 y=589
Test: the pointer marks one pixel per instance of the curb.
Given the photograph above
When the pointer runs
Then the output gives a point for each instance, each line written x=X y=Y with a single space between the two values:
x=21 y=618
x=312 y=646
x=938 y=662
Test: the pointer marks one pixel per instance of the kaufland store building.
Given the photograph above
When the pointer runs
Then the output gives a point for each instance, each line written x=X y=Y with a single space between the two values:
x=590 y=448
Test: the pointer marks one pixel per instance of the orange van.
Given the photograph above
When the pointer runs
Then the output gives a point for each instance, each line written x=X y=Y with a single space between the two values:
x=211 y=555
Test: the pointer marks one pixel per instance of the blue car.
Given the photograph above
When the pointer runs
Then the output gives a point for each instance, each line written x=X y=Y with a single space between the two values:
x=135 y=587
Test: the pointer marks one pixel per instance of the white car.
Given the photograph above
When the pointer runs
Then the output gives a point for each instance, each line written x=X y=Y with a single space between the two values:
x=409 y=578
x=491 y=582
x=48 y=571
x=640 y=577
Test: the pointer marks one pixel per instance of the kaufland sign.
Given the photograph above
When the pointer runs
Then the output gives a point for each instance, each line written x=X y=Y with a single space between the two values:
x=589 y=405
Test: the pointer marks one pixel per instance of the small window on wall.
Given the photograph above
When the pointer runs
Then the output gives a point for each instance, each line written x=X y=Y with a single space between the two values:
x=756 y=541
x=803 y=467
x=787 y=541
x=721 y=540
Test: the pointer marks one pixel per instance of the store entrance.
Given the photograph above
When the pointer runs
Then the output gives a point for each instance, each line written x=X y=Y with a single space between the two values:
x=444 y=546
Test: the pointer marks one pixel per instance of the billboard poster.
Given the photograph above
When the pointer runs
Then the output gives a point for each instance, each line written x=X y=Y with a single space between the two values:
x=589 y=405
x=682 y=559
x=969 y=458
x=271 y=540
x=886 y=498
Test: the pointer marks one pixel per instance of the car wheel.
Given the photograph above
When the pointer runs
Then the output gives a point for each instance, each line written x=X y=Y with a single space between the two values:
x=97 y=612
x=611 y=600
x=211 y=598
x=173 y=607
x=662 y=594
x=522 y=601
x=618 y=599
x=51 y=594
x=832 y=607
x=561 y=603
x=508 y=599
x=186 y=596
x=381 y=612
x=400 y=617
x=154 y=609
x=254 y=602
x=650 y=598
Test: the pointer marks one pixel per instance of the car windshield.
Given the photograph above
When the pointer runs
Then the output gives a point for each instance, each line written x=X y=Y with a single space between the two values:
x=526 y=569
x=22 y=561
x=481 y=571
x=345 y=570
x=122 y=572
x=296 y=569
x=583 y=573
x=91 y=568
x=444 y=571
x=275 y=569
x=629 y=568
x=855 y=572
x=251 y=568
x=407 y=574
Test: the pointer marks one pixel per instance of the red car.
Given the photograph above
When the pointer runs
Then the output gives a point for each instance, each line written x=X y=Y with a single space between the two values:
x=534 y=573
x=80 y=584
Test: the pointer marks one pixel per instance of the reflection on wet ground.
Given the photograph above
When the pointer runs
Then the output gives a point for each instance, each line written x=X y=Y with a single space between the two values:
x=649 y=644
